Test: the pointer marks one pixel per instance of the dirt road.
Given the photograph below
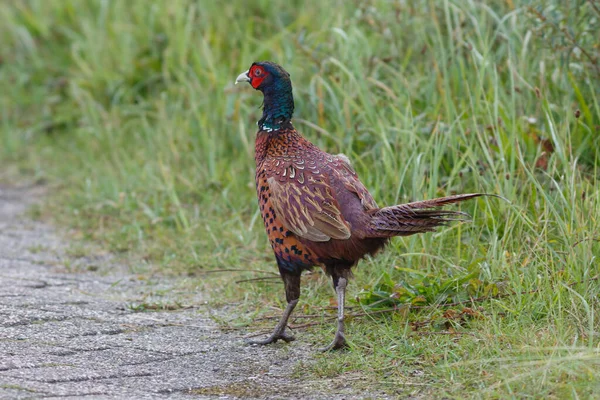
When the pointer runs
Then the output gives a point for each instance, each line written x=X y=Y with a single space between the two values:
x=67 y=329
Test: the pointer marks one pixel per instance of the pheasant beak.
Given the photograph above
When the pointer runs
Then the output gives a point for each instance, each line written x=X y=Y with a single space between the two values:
x=243 y=77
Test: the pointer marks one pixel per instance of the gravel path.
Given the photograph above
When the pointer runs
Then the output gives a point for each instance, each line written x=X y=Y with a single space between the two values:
x=67 y=332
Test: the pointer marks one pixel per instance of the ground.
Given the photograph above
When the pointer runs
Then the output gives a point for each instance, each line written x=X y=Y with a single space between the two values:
x=67 y=330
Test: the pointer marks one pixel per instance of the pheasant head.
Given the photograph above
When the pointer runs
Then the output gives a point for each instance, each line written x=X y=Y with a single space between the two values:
x=275 y=84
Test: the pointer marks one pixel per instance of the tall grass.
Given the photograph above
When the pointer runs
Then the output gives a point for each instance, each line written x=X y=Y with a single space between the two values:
x=129 y=109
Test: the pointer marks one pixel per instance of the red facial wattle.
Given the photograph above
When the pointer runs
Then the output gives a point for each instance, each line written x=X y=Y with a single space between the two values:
x=257 y=74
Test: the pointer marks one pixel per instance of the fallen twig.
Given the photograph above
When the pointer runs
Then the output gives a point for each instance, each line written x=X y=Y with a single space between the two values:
x=302 y=326
x=594 y=239
x=214 y=271
x=426 y=333
x=268 y=278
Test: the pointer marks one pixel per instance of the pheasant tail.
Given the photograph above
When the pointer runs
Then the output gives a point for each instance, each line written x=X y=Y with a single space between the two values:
x=418 y=217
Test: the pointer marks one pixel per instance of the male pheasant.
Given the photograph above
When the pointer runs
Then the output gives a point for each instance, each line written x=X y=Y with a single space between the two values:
x=315 y=209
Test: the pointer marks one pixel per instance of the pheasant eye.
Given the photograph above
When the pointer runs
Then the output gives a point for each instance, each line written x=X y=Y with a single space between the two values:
x=257 y=72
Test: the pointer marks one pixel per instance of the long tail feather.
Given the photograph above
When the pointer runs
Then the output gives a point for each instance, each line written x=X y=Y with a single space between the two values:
x=417 y=217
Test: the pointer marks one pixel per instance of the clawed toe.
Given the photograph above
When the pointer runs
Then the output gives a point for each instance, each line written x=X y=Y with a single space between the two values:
x=272 y=339
x=287 y=338
x=339 y=342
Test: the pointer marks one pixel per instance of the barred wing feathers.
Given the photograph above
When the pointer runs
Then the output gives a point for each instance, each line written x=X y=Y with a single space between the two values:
x=309 y=210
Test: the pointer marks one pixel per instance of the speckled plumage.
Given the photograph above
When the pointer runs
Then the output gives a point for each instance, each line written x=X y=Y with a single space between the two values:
x=315 y=209
x=298 y=188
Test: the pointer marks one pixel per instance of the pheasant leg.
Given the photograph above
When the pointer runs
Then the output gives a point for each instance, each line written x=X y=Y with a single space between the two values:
x=292 y=295
x=339 y=340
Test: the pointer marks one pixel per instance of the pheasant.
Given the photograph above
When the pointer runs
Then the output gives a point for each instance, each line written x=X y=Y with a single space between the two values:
x=315 y=209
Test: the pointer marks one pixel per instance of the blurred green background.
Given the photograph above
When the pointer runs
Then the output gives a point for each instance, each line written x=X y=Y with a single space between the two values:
x=128 y=111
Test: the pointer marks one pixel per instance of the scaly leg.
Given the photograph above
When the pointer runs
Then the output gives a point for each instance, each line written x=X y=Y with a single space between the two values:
x=339 y=340
x=292 y=294
x=279 y=331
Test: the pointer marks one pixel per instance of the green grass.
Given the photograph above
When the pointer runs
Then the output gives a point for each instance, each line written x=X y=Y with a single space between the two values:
x=127 y=109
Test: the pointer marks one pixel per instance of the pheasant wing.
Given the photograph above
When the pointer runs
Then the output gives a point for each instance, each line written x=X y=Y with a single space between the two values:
x=345 y=172
x=309 y=210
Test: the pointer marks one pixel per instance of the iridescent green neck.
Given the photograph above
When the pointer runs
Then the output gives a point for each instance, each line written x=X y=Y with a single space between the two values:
x=278 y=106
